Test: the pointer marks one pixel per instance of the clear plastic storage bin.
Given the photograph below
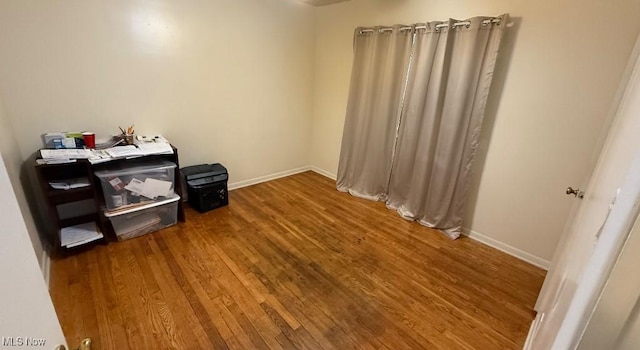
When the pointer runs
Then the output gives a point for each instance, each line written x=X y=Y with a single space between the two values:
x=144 y=219
x=136 y=184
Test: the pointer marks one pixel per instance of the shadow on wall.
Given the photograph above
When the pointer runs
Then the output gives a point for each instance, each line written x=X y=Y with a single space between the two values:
x=386 y=5
x=497 y=86
x=35 y=200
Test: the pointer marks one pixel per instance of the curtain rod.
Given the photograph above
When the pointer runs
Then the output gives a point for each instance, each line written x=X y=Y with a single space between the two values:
x=437 y=27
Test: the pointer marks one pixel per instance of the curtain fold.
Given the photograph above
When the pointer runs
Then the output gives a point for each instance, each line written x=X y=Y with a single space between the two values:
x=381 y=57
x=448 y=84
x=416 y=104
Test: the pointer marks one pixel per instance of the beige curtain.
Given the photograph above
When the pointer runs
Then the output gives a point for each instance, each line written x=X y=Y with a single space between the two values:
x=381 y=58
x=447 y=91
x=442 y=100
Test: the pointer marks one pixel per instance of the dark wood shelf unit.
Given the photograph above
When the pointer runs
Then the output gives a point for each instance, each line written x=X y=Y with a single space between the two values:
x=82 y=168
x=70 y=195
x=53 y=198
x=77 y=220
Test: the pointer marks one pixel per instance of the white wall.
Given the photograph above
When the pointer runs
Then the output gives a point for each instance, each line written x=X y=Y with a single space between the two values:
x=559 y=71
x=615 y=321
x=630 y=340
x=27 y=310
x=261 y=86
x=225 y=81
x=13 y=162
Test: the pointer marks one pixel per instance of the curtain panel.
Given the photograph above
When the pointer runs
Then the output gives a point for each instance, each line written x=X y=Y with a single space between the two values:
x=380 y=62
x=410 y=139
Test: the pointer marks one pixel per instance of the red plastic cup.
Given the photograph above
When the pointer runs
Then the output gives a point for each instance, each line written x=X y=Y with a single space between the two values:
x=89 y=139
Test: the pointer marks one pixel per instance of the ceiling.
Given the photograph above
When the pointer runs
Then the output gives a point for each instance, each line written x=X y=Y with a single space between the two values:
x=322 y=2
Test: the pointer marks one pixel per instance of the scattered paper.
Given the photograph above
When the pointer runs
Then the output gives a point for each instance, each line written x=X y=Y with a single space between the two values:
x=135 y=186
x=154 y=188
x=73 y=236
x=99 y=156
x=70 y=183
x=55 y=161
x=102 y=154
x=65 y=153
x=107 y=151
x=150 y=188
x=155 y=148
x=124 y=151
x=157 y=139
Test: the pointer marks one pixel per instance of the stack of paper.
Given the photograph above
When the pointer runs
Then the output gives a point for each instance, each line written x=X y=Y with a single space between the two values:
x=99 y=156
x=59 y=156
x=74 y=236
x=107 y=151
x=70 y=183
x=150 y=187
x=155 y=148
x=55 y=161
x=124 y=151
x=138 y=225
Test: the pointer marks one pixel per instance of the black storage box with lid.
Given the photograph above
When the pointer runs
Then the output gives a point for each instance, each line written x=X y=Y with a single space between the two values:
x=206 y=186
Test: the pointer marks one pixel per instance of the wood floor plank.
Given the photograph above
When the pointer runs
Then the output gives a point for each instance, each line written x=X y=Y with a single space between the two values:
x=59 y=291
x=173 y=301
x=294 y=264
x=128 y=304
x=76 y=292
x=113 y=309
x=157 y=324
x=240 y=337
x=300 y=340
x=102 y=338
x=156 y=308
x=196 y=304
x=272 y=254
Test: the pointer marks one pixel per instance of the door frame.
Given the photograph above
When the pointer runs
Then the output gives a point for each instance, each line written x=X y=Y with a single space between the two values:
x=28 y=315
x=613 y=233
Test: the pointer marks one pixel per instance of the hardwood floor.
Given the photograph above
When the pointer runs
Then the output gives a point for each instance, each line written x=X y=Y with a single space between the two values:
x=295 y=264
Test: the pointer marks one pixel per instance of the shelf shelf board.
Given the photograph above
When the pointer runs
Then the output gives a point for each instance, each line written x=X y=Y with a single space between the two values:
x=84 y=246
x=70 y=195
x=77 y=220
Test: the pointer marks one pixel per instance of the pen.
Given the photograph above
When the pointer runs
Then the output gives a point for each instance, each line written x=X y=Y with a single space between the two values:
x=121 y=129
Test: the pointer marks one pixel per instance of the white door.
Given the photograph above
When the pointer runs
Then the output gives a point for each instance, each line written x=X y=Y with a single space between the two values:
x=27 y=317
x=577 y=247
x=615 y=323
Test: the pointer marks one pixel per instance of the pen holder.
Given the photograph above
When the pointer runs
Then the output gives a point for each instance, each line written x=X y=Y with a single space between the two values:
x=128 y=139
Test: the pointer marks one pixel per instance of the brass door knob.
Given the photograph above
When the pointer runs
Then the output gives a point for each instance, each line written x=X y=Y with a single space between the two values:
x=84 y=345
x=575 y=193
x=570 y=190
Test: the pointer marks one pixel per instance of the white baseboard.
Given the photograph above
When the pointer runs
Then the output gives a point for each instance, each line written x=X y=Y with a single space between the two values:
x=533 y=329
x=265 y=178
x=323 y=172
x=45 y=266
x=520 y=254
